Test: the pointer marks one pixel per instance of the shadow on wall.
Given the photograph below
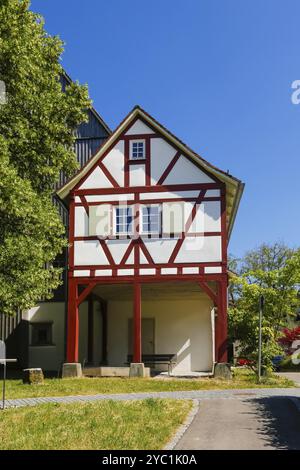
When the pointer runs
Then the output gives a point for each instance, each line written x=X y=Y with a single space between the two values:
x=17 y=343
x=194 y=351
x=184 y=354
x=279 y=422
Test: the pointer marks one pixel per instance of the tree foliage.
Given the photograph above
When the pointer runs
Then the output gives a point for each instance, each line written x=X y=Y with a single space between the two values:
x=39 y=119
x=37 y=126
x=274 y=272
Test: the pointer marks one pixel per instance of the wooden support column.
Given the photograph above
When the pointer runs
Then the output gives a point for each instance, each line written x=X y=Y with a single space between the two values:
x=137 y=323
x=73 y=322
x=104 y=331
x=221 y=326
x=90 y=330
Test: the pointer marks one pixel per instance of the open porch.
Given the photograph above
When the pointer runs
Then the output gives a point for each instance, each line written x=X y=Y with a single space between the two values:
x=107 y=322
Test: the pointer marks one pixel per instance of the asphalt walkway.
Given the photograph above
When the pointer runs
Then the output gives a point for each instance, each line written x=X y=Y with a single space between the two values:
x=260 y=423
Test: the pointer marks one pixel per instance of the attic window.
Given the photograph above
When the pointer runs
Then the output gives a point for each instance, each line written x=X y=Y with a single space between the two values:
x=137 y=150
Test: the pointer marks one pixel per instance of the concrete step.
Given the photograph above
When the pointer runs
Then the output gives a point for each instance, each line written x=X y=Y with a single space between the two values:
x=107 y=371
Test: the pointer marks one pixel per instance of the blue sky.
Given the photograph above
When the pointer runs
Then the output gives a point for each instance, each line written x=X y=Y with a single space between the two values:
x=217 y=73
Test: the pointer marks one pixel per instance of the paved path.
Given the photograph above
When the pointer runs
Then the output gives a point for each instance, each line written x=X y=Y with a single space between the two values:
x=227 y=419
x=260 y=423
x=189 y=395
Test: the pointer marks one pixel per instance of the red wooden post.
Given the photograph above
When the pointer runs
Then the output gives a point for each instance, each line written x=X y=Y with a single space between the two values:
x=137 y=323
x=221 y=323
x=73 y=322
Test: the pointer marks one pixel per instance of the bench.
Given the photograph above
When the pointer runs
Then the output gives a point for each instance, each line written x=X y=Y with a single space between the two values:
x=148 y=359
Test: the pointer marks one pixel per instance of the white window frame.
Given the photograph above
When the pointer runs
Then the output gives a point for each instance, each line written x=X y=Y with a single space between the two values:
x=137 y=141
x=158 y=232
x=122 y=234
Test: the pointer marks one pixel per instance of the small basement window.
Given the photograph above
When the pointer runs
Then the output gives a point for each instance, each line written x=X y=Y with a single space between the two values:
x=41 y=334
x=137 y=150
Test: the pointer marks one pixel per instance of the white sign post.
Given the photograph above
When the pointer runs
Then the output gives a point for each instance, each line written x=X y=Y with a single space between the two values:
x=261 y=309
x=4 y=361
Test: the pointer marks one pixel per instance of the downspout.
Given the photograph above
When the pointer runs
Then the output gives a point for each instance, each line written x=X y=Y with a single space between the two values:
x=62 y=203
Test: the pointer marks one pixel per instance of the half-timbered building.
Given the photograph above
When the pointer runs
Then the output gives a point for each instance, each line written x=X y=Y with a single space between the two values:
x=149 y=225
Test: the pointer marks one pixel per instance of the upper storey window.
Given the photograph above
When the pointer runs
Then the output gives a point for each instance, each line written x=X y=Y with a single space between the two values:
x=151 y=219
x=137 y=150
x=124 y=219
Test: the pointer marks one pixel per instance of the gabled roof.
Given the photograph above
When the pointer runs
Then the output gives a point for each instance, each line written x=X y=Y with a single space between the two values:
x=234 y=187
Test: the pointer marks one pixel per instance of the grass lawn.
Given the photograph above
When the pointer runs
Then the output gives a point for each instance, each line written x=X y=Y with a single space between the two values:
x=147 y=424
x=243 y=378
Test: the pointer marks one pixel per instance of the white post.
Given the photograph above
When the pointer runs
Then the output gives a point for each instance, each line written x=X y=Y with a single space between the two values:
x=3 y=362
x=261 y=306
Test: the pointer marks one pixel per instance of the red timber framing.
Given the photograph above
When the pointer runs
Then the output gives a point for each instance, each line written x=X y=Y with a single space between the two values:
x=217 y=293
x=137 y=240
x=218 y=297
x=137 y=323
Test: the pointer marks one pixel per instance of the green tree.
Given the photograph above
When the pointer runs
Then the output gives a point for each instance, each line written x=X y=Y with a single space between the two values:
x=37 y=126
x=277 y=278
x=31 y=234
x=266 y=258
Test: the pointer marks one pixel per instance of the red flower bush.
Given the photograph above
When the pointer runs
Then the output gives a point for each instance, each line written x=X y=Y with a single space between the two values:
x=244 y=362
x=289 y=336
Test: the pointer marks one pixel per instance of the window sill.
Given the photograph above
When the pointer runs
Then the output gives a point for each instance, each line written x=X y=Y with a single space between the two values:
x=137 y=161
x=42 y=346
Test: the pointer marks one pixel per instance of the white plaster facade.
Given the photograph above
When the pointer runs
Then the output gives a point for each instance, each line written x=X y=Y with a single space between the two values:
x=182 y=327
x=47 y=357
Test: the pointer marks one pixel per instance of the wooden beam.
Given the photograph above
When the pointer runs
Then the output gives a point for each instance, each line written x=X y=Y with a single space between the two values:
x=209 y=292
x=169 y=169
x=108 y=175
x=188 y=224
x=73 y=323
x=85 y=293
x=221 y=323
x=104 y=330
x=90 y=330
x=137 y=323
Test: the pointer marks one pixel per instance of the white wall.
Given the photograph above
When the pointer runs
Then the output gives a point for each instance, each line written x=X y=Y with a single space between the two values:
x=114 y=162
x=89 y=252
x=48 y=357
x=162 y=154
x=139 y=128
x=200 y=250
x=182 y=327
x=96 y=179
x=137 y=175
